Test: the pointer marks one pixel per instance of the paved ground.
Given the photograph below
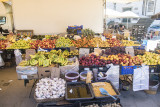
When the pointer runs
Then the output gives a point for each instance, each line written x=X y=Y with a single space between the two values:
x=14 y=94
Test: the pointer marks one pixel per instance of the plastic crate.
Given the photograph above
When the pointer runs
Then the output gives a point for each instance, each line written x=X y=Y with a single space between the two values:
x=75 y=27
x=139 y=47
x=154 y=68
x=75 y=85
x=126 y=70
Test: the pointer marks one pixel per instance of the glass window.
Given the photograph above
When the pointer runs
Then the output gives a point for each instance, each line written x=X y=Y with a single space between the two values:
x=150 y=6
x=2 y=20
x=125 y=20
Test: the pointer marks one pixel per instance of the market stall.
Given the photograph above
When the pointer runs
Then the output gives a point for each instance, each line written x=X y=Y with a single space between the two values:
x=78 y=69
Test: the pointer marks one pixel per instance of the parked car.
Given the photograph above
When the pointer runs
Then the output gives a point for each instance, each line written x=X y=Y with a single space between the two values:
x=154 y=28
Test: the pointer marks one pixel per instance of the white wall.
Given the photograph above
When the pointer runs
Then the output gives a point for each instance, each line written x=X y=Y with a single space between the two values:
x=54 y=16
x=5 y=10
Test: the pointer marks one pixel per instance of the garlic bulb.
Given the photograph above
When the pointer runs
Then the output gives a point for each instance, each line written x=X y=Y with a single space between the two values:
x=48 y=88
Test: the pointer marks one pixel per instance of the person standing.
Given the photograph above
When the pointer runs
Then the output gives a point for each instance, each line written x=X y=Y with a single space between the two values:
x=1 y=30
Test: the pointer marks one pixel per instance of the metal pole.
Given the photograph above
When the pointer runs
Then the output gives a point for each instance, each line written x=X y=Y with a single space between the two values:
x=127 y=22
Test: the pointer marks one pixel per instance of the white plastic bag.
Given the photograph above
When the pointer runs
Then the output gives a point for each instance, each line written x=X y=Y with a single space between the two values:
x=18 y=56
x=141 y=78
x=74 y=67
x=1 y=61
x=113 y=75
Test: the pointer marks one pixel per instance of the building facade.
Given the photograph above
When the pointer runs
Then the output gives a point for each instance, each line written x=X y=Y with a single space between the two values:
x=141 y=8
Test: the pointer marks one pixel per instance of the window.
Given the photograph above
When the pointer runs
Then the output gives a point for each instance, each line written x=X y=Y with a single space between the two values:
x=150 y=6
x=124 y=20
x=2 y=20
x=127 y=9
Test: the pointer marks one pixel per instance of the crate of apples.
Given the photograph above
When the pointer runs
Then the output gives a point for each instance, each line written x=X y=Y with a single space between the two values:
x=3 y=44
x=47 y=44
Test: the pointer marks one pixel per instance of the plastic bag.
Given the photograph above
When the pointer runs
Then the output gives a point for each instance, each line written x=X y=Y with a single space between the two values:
x=1 y=61
x=74 y=67
x=113 y=75
x=17 y=52
x=18 y=56
x=27 y=70
x=141 y=78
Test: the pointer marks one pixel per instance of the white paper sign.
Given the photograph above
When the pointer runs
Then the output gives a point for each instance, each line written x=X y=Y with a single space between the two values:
x=130 y=50
x=83 y=52
x=23 y=76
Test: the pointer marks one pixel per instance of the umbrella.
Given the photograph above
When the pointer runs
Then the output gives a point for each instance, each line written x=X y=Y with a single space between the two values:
x=122 y=1
x=128 y=14
x=110 y=13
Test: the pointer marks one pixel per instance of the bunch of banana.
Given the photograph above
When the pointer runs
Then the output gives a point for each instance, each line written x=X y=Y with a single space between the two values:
x=64 y=42
x=40 y=61
x=42 y=56
x=56 y=52
x=23 y=63
x=65 y=53
x=36 y=56
x=74 y=52
x=33 y=62
x=20 y=44
x=46 y=62
x=47 y=36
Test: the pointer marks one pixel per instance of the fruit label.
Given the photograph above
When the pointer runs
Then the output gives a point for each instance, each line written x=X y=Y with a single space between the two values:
x=114 y=37
x=130 y=51
x=83 y=52
x=103 y=38
x=74 y=80
x=86 y=69
x=23 y=76
x=152 y=70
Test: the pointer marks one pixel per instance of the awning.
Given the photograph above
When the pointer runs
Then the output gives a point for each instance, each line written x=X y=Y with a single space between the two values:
x=156 y=16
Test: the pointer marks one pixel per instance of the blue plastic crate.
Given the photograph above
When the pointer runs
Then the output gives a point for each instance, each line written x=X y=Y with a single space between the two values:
x=126 y=70
x=75 y=27
x=139 y=47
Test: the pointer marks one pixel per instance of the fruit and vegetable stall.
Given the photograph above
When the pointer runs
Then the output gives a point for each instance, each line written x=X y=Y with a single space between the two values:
x=86 y=70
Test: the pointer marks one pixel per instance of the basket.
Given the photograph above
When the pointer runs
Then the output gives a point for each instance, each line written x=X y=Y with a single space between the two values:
x=48 y=100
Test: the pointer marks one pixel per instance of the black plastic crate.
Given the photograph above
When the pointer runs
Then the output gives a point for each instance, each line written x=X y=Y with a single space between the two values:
x=154 y=68
x=100 y=68
x=79 y=84
x=106 y=97
x=100 y=103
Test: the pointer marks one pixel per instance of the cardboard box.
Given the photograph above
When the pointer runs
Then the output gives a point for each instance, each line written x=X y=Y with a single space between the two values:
x=27 y=72
x=44 y=72
x=53 y=72
x=29 y=52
